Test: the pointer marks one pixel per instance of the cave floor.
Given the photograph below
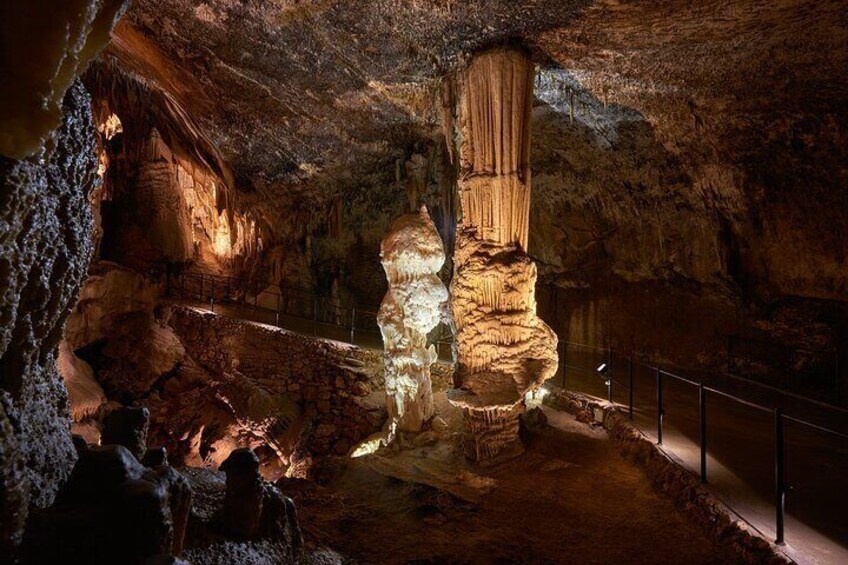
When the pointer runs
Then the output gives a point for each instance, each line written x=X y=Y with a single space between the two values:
x=569 y=498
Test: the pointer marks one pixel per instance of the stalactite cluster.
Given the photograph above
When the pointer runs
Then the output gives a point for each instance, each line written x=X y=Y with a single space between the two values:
x=504 y=349
x=496 y=98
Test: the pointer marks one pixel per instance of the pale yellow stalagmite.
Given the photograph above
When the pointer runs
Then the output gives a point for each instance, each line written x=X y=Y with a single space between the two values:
x=412 y=255
x=504 y=350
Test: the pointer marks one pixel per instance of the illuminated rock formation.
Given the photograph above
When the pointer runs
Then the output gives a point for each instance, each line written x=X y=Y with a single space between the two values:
x=58 y=41
x=412 y=255
x=504 y=350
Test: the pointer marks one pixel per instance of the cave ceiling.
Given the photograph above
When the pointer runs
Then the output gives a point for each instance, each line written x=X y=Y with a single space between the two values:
x=711 y=106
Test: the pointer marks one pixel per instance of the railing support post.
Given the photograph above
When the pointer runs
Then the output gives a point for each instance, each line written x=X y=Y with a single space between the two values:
x=630 y=385
x=564 y=361
x=779 y=478
x=702 y=398
x=729 y=355
x=660 y=409
x=277 y=313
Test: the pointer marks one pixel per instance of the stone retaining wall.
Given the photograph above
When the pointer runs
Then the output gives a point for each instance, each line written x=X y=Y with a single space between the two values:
x=336 y=379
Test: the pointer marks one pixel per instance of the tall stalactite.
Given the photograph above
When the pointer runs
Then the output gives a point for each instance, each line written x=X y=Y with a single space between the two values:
x=504 y=349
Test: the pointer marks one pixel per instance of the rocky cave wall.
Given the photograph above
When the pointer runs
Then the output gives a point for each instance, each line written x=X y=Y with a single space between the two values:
x=46 y=227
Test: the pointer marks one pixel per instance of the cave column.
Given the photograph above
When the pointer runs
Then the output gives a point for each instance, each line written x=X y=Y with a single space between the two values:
x=504 y=350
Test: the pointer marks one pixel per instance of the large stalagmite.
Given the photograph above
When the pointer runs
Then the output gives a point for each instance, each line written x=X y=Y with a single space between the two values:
x=412 y=256
x=504 y=349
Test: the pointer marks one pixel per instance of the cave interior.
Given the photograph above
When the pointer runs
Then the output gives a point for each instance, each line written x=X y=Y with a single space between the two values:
x=423 y=281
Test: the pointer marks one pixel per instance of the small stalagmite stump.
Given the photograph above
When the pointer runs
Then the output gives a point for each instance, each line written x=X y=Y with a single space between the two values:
x=127 y=426
x=243 y=500
x=253 y=508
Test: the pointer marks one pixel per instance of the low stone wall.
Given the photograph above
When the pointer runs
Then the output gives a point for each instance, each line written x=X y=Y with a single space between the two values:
x=704 y=508
x=336 y=379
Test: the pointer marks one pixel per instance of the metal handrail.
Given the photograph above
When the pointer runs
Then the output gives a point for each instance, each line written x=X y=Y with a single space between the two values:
x=207 y=293
x=779 y=418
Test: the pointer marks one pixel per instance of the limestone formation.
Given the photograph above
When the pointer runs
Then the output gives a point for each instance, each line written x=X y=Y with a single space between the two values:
x=44 y=45
x=85 y=394
x=112 y=509
x=504 y=350
x=412 y=256
x=14 y=488
x=253 y=508
x=128 y=427
x=44 y=252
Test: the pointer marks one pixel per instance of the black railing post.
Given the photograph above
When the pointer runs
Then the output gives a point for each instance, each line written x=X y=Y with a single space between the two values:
x=779 y=482
x=660 y=409
x=729 y=355
x=564 y=361
x=630 y=384
x=702 y=398
x=750 y=362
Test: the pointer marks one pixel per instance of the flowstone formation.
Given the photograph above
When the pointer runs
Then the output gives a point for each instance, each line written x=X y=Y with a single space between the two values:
x=412 y=256
x=504 y=350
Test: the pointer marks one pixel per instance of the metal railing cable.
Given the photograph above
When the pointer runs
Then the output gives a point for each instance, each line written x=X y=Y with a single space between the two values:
x=704 y=391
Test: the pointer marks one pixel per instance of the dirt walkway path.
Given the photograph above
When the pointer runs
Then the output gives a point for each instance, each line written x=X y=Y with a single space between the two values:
x=571 y=498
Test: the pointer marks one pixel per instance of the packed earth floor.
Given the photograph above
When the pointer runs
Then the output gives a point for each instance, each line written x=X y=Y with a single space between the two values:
x=570 y=497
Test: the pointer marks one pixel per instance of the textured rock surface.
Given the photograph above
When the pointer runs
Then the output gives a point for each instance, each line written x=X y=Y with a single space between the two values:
x=268 y=387
x=111 y=509
x=45 y=247
x=275 y=536
x=714 y=132
x=127 y=427
x=85 y=394
x=253 y=508
x=40 y=56
x=412 y=256
x=114 y=328
x=504 y=350
x=14 y=487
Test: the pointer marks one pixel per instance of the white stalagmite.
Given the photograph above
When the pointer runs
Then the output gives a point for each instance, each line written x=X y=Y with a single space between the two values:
x=412 y=255
x=504 y=350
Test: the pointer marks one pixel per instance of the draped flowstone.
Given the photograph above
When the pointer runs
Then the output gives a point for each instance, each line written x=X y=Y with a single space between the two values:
x=504 y=350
